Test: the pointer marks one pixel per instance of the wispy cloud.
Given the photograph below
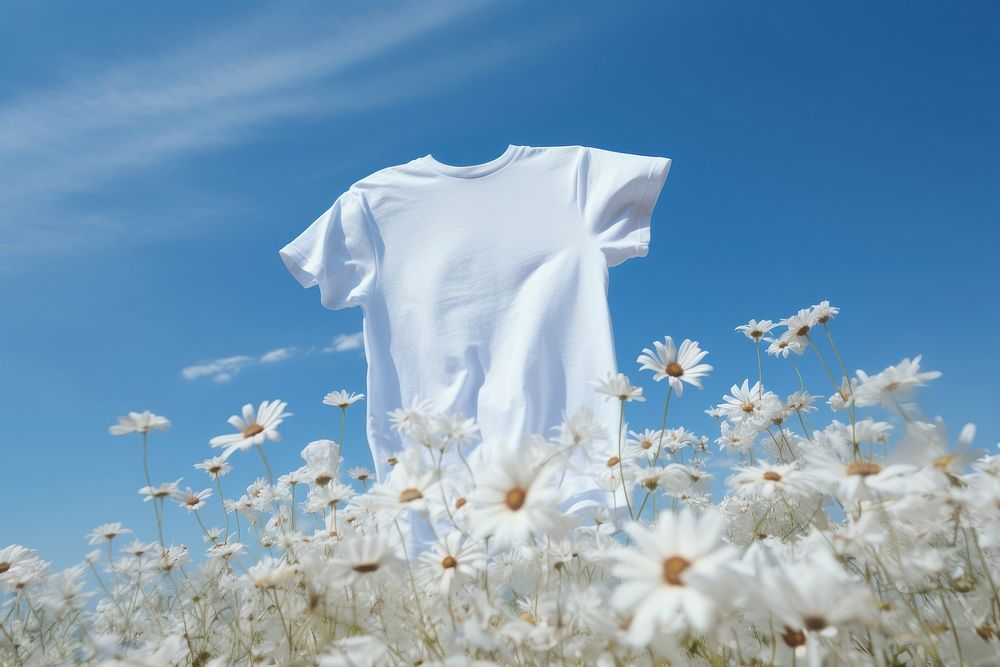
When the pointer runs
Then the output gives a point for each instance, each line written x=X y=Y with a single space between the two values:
x=226 y=368
x=219 y=370
x=345 y=342
x=65 y=143
x=280 y=354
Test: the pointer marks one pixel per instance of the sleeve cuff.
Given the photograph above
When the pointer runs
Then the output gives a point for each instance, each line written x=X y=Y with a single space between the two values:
x=298 y=267
x=654 y=186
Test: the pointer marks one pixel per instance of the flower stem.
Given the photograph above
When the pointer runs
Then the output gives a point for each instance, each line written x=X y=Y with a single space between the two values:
x=760 y=373
x=149 y=482
x=267 y=466
x=621 y=469
x=663 y=426
x=222 y=501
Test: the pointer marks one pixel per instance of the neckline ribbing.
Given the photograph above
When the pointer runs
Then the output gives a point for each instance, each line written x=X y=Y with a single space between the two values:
x=474 y=170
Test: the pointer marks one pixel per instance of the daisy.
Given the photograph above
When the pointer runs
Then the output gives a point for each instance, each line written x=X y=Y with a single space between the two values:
x=64 y=590
x=674 y=575
x=14 y=558
x=677 y=365
x=801 y=401
x=927 y=444
x=675 y=439
x=360 y=474
x=407 y=487
x=755 y=330
x=514 y=499
x=212 y=535
x=450 y=562
x=751 y=406
x=844 y=395
x=618 y=386
x=329 y=495
x=581 y=430
x=824 y=312
x=138 y=548
x=644 y=440
x=767 y=480
x=424 y=433
x=651 y=477
x=892 y=384
x=607 y=472
x=108 y=531
x=456 y=428
x=781 y=346
x=225 y=550
x=360 y=556
x=169 y=557
x=268 y=572
x=139 y=422
x=799 y=324
x=814 y=594
x=190 y=500
x=342 y=399
x=252 y=429
x=864 y=480
x=159 y=492
x=215 y=467
x=418 y=412
x=736 y=439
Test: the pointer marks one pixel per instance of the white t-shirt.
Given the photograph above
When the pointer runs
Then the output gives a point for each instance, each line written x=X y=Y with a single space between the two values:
x=484 y=287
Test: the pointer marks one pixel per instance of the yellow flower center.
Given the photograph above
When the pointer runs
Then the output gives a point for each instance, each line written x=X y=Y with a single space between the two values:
x=449 y=561
x=516 y=498
x=772 y=476
x=863 y=468
x=814 y=623
x=943 y=462
x=793 y=638
x=365 y=568
x=409 y=495
x=674 y=369
x=672 y=568
x=252 y=430
x=613 y=461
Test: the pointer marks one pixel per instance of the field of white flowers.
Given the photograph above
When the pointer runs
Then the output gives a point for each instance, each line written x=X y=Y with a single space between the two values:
x=853 y=531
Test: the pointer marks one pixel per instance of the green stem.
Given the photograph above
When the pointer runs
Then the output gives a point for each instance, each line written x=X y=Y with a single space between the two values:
x=850 y=389
x=760 y=373
x=267 y=466
x=149 y=483
x=222 y=502
x=202 y=524
x=802 y=384
x=829 y=373
x=621 y=469
x=663 y=426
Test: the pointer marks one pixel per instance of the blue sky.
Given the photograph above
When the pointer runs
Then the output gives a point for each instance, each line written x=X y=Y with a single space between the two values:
x=154 y=159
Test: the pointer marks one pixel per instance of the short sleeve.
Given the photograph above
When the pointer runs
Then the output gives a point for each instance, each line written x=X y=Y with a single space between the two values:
x=619 y=191
x=337 y=253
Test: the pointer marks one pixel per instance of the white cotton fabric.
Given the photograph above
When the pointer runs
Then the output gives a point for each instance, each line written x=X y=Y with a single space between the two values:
x=484 y=287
